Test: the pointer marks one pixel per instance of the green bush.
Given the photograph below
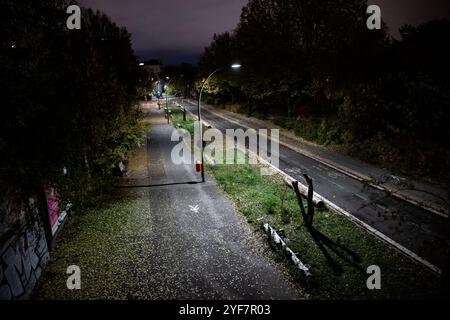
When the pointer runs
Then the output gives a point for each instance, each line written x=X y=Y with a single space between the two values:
x=234 y=107
x=320 y=130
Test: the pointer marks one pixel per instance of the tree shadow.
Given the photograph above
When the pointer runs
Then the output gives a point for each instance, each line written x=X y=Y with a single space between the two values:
x=155 y=185
x=326 y=245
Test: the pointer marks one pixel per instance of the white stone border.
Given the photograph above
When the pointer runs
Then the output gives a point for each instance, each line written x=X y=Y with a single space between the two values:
x=280 y=243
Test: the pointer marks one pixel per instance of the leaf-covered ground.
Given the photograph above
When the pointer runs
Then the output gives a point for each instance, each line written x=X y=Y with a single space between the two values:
x=100 y=241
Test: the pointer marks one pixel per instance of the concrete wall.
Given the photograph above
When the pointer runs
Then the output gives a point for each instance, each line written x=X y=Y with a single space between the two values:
x=23 y=247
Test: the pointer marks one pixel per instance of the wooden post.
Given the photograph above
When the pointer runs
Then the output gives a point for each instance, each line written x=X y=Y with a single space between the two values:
x=310 y=213
x=307 y=215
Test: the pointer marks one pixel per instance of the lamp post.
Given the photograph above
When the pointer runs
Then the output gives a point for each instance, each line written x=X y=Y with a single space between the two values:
x=199 y=115
x=158 y=88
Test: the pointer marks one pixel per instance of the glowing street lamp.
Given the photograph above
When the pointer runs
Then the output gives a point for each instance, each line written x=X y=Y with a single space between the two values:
x=234 y=66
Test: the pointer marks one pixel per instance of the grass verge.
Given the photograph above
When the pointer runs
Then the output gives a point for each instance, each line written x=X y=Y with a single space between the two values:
x=177 y=119
x=338 y=252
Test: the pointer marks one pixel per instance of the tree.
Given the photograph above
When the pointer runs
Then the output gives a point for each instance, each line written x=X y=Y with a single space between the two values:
x=221 y=53
x=69 y=95
x=285 y=45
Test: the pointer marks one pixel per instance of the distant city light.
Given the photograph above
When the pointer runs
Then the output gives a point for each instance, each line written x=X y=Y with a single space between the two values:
x=141 y=64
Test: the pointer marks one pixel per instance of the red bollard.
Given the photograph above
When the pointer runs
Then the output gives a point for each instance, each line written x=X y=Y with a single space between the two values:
x=199 y=166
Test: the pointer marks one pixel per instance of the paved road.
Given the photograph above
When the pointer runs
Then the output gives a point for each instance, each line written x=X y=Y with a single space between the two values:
x=198 y=247
x=418 y=230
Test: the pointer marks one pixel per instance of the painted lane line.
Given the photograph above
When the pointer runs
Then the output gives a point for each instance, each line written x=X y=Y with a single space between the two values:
x=338 y=185
x=360 y=196
x=332 y=182
x=382 y=207
x=319 y=175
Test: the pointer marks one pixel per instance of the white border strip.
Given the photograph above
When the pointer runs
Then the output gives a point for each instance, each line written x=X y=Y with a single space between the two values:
x=279 y=241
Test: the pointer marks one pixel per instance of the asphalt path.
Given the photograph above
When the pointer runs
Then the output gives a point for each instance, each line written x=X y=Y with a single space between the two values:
x=198 y=246
x=416 y=229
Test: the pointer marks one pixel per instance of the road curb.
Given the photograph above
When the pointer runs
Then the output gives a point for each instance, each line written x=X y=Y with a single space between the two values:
x=347 y=171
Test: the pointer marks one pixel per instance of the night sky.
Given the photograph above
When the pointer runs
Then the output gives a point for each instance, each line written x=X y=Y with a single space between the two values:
x=178 y=30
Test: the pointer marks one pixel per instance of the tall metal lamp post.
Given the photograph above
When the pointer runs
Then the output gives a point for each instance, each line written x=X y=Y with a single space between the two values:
x=233 y=66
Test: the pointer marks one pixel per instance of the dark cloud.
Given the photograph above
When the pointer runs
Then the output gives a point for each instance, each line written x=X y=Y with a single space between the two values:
x=171 y=27
x=399 y=12
x=178 y=30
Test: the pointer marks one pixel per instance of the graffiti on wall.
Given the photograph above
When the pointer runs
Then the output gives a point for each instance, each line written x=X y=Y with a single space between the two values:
x=23 y=256
x=55 y=213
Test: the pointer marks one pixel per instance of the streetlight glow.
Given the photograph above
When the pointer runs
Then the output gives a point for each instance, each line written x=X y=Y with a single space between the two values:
x=141 y=64
x=233 y=66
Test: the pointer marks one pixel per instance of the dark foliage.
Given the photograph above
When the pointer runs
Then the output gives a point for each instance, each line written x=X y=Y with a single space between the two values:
x=316 y=68
x=68 y=96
